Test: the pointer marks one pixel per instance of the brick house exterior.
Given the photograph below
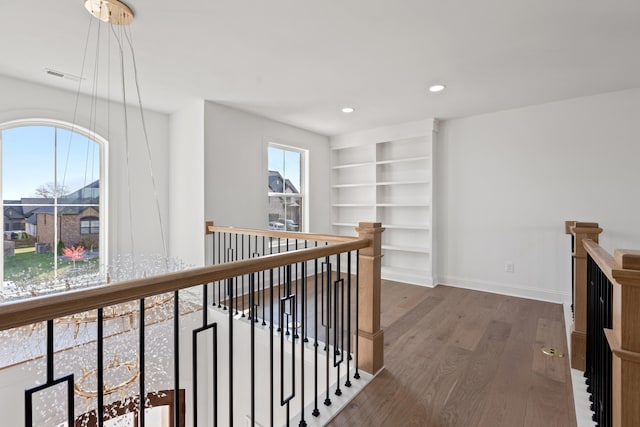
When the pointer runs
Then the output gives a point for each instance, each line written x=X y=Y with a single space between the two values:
x=78 y=213
x=70 y=227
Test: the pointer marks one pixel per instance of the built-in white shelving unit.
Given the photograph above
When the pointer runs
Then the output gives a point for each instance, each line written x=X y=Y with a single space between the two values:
x=386 y=175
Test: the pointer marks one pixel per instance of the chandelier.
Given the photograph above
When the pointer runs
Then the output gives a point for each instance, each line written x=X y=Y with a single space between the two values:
x=122 y=372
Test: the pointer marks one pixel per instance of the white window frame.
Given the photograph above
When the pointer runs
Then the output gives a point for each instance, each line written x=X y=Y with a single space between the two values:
x=90 y=220
x=104 y=177
x=303 y=190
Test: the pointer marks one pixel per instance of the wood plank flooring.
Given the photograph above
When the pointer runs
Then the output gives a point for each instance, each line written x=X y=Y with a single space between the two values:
x=456 y=357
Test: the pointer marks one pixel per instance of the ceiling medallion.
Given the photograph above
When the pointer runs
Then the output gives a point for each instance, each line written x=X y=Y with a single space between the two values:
x=111 y=11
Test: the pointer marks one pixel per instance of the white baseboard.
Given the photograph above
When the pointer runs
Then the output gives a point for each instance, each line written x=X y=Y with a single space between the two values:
x=506 y=289
x=412 y=279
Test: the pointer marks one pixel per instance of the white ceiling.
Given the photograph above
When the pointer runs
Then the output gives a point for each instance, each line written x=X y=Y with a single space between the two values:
x=300 y=61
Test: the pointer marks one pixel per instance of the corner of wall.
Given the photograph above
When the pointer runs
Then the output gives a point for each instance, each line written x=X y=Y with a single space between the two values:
x=186 y=192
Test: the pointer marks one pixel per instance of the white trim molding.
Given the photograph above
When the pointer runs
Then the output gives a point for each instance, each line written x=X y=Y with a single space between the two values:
x=506 y=289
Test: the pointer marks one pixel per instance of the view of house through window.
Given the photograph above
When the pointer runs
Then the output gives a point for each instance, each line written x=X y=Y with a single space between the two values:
x=286 y=199
x=51 y=207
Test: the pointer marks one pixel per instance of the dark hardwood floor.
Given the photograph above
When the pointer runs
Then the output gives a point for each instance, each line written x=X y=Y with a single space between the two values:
x=455 y=357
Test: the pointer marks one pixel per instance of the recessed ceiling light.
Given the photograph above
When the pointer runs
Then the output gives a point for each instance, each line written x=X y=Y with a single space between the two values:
x=437 y=88
x=348 y=110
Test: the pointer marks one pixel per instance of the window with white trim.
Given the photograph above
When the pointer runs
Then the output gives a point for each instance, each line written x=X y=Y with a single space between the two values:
x=50 y=189
x=285 y=188
x=89 y=225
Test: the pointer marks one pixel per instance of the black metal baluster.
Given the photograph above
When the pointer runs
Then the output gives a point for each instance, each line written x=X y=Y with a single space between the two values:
x=220 y=287
x=322 y=301
x=214 y=328
x=316 y=411
x=598 y=357
x=302 y=423
x=213 y=262
x=356 y=375
x=589 y=353
x=600 y=349
x=194 y=356
x=291 y=315
x=69 y=379
x=288 y=285
x=264 y=323
x=253 y=351
x=606 y=380
x=230 y=296
x=100 y=368
x=215 y=376
x=305 y=303
x=256 y=254
x=176 y=359
x=573 y=272
x=271 y=394
x=250 y=308
x=338 y=327
x=70 y=401
x=608 y=401
x=348 y=382
x=297 y=279
x=256 y=279
x=236 y=279
x=280 y=269
x=594 y=348
x=607 y=290
x=141 y=342
x=240 y=279
x=224 y=247
x=327 y=400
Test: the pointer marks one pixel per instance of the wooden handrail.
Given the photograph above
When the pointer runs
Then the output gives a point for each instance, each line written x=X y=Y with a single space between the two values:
x=601 y=257
x=38 y=309
x=210 y=228
x=615 y=269
x=622 y=269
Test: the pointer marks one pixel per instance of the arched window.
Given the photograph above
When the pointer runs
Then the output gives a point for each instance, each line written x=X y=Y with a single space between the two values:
x=51 y=192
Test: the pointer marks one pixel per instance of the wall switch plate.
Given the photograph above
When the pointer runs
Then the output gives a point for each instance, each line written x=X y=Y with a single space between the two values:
x=509 y=267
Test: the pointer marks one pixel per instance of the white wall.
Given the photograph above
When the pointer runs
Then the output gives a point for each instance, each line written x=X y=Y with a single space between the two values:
x=507 y=181
x=235 y=154
x=23 y=100
x=186 y=171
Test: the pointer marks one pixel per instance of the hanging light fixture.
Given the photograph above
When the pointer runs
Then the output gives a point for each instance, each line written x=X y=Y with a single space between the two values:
x=123 y=370
x=119 y=16
x=110 y=11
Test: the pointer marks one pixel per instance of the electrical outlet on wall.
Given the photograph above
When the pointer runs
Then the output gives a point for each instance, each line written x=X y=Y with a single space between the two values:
x=509 y=267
